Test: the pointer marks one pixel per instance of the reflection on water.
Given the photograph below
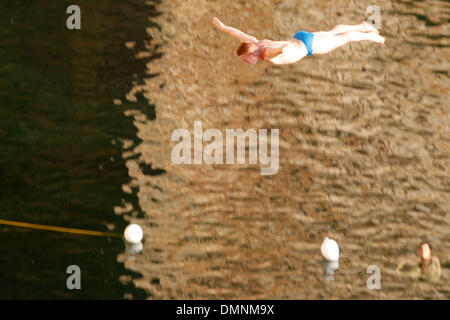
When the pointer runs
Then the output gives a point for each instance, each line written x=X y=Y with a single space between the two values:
x=62 y=140
x=364 y=154
x=329 y=269
x=133 y=248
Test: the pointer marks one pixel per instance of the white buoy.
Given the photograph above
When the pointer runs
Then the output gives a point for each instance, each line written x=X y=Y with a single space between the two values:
x=330 y=249
x=133 y=233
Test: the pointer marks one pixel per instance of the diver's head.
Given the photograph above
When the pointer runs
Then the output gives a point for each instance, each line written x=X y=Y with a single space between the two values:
x=248 y=52
x=425 y=251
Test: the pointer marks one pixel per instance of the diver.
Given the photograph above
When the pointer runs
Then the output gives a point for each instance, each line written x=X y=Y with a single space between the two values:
x=303 y=43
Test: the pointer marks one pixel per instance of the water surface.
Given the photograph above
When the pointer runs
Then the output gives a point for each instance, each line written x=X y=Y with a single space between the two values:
x=61 y=141
x=364 y=154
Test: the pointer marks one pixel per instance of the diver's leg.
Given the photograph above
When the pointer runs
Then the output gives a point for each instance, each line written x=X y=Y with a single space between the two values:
x=362 y=27
x=324 y=43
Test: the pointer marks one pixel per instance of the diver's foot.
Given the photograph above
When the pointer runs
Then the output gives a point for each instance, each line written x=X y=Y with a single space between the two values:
x=369 y=28
x=375 y=37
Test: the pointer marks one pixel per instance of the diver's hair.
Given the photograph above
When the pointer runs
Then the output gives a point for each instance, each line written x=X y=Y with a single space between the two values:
x=243 y=48
x=427 y=243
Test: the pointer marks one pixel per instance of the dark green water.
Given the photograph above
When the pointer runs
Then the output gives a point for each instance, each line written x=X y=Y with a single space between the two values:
x=59 y=164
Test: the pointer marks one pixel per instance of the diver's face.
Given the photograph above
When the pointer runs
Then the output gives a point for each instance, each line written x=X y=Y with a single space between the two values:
x=252 y=56
x=425 y=251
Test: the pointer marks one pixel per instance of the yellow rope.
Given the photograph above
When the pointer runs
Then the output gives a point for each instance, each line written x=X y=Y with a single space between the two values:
x=58 y=229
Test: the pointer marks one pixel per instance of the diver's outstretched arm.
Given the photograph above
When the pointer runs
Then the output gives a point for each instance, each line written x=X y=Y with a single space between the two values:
x=234 y=32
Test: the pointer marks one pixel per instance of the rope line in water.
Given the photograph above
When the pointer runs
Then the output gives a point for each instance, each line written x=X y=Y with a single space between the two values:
x=59 y=229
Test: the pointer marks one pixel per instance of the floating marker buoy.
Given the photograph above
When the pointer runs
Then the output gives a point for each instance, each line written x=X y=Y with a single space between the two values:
x=330 y=249
x=133 y=233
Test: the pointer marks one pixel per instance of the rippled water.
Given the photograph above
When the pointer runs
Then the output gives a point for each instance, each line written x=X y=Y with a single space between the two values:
x=62 y=139
x=364 y=150
x=364 y=154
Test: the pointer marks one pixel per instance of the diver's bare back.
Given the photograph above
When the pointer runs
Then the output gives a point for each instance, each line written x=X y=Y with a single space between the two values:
x=282 y=52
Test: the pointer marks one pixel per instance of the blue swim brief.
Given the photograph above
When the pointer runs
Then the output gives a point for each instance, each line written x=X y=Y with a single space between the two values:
x=307 y=39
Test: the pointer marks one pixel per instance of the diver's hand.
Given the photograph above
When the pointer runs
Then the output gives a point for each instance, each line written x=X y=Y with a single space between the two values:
x=218 y=23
